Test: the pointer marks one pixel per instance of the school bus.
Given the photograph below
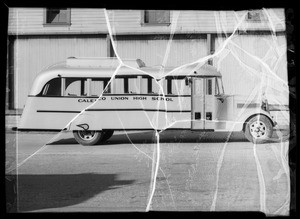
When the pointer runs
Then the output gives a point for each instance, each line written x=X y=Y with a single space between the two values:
x=93 y=97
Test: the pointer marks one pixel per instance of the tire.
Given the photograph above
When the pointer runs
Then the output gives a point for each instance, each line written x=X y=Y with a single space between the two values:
x=107 y=135
x=88 y=138
x=258 y=129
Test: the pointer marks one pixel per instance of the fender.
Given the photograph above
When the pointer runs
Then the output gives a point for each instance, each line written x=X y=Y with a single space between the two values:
x=85 y=121
x=249 y=114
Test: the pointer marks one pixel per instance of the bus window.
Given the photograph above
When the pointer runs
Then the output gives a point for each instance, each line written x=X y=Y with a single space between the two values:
x=208 y=86
x=179 y=87
x=107 y=87
x=155 y=87
x=118 y=84
x=76 y=87
x=133 y=85
x=52 y=88
x=219 y=86
x=97 y=86
x=144 y=85
x=148 y=85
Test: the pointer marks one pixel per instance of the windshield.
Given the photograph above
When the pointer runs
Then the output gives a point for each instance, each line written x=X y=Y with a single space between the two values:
x=219 y=86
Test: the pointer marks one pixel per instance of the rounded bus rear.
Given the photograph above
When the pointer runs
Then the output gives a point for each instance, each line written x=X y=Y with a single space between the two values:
x=91 y=99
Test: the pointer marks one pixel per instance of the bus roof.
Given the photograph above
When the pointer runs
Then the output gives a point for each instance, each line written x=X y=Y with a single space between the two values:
x=106 y=68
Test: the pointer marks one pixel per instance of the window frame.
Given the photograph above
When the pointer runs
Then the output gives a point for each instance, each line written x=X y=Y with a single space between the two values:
x=149 y=85
x=68 y=19
x=169 y=86
x=143 y=23
x=126 y=85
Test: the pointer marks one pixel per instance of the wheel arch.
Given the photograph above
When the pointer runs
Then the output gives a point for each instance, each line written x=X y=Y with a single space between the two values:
x=85 y=121
x=256 y=114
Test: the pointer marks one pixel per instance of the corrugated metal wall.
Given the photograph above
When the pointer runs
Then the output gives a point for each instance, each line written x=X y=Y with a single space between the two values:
x=32 y=54
x=241 y=70
x=154 y=52
x=30 y=21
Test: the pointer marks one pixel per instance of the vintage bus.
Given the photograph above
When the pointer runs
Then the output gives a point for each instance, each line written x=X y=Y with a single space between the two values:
x=90 y=98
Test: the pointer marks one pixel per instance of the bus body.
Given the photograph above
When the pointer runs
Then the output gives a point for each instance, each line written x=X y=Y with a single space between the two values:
x=89 y=97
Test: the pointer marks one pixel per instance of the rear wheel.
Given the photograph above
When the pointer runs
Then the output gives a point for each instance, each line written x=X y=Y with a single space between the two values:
x=87 y=137
x=258 y=129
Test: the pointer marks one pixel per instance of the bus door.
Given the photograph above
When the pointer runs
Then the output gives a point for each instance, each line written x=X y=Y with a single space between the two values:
x=203 y=103
x=198 y=100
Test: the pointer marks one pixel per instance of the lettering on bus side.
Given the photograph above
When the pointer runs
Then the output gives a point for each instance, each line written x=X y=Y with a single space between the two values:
x=119 y=98
x=90 y=100
x=139 y=98
x=162 y=98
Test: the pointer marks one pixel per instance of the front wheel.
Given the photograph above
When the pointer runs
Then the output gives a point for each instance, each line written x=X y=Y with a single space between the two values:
x=87 y=137
x=258 y=129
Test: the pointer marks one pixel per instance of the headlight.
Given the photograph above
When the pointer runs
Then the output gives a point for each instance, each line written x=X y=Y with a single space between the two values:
x=265 y=105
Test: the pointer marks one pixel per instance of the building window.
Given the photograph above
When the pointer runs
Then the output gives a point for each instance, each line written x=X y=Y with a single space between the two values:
x=57 y=16
x=256 y=16
x=156 y=17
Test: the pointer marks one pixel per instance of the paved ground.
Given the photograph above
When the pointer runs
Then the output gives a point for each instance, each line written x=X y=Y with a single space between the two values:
x=197 y=172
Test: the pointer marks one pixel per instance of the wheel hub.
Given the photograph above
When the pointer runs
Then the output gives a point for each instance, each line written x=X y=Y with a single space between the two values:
x=258 y=129
x=86 y=135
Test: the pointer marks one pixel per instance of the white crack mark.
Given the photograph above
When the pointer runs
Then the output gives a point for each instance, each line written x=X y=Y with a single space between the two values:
x=154 y=172
x=284 y=209
x=153 y=162
x=262 y=185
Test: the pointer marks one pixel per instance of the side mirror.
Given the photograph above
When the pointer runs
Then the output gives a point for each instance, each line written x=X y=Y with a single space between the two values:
x=221 y=98
x=187 y=81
